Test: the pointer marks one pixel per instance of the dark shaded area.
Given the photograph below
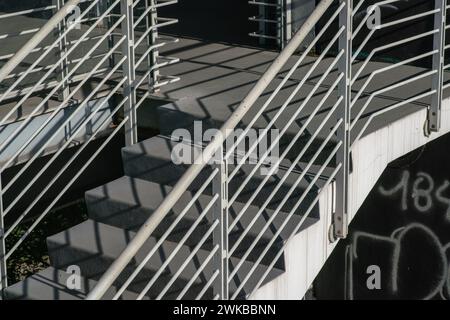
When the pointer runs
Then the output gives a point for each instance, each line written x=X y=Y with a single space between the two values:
x=70 y=210
x=213 y=20
x=14 y=6
x=386 y=35
x=403 y=228
x=32 y=256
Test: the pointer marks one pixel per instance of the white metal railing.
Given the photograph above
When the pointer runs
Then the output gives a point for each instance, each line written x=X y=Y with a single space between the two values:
x=340 y=76
x=109 y=45
x=221 y=279
x=321 y=102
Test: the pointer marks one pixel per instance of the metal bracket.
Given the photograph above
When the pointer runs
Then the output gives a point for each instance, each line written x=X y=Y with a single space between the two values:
x=426 y=126
x=339 y=224
x=434 y=113
x=220 y=234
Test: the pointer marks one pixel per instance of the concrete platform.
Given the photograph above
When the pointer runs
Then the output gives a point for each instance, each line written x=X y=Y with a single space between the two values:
x=216 y=77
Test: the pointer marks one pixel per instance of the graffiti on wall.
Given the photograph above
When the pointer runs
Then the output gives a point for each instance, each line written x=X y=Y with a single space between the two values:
x=411 y=255
x=422 y=190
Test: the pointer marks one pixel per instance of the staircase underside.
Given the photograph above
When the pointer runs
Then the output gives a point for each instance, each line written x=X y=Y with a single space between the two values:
x=214 y=80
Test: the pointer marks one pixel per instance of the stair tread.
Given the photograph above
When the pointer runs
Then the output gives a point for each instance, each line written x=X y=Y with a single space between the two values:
x=94 y=246
x=52 y=284
x=220 y=92
x=135 y=193
x=152 y=160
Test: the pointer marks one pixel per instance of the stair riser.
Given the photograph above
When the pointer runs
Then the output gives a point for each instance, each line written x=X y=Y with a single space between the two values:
x=174 y=120
x=93 y=259
x=122 y=216
x=165 y=172
x=94 y=265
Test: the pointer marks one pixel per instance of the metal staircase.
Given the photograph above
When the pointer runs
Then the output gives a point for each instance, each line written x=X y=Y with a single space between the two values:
x=238 y=212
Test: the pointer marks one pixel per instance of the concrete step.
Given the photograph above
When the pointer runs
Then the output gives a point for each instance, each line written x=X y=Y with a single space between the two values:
x=94 y=246
x=177 y=123
x=128 y=202
x=52 y=284
x=153 y=160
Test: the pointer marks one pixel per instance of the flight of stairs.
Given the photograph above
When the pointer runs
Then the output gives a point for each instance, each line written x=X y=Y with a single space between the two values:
x=117 y=210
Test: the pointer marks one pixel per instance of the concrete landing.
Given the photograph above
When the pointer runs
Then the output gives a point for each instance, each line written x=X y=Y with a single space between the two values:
x=216 y=77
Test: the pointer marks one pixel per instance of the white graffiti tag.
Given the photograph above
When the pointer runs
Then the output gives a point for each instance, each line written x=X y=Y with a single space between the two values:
x=403 y=258
x=423 y=190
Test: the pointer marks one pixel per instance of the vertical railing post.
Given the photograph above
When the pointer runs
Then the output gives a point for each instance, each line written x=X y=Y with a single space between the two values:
x=62 y=50
x=129 y=91
x=220 y=234
x=287 y=23
x=340 y=216
x=151 y=22
x=3 y=265
x=109 y=23
x=262 y=25
x=438 y=65
x=281 y=17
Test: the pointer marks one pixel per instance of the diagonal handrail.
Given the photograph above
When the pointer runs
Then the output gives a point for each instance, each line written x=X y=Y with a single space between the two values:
x=194 y=170
x=37 y=38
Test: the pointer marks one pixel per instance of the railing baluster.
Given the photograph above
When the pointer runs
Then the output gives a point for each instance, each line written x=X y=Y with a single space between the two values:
x=3 y=266
x=287 y=23
x=220 y=235
x=281 y=21
x=111 y=42
x=438 y=65
x=152 y=37
x=340 y=216
x=62 y=50
x=129 y=91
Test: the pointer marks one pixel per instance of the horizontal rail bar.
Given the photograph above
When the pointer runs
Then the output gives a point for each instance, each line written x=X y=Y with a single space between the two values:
x=153 y=7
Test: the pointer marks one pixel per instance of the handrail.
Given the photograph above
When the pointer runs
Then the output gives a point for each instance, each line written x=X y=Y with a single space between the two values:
x=194 y=170
x=119 y=76
x=37 y=38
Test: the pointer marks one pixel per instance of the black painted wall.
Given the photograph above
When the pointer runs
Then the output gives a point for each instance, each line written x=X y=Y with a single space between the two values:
x=213 y=20
x=403 y=228
x=389 y=13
